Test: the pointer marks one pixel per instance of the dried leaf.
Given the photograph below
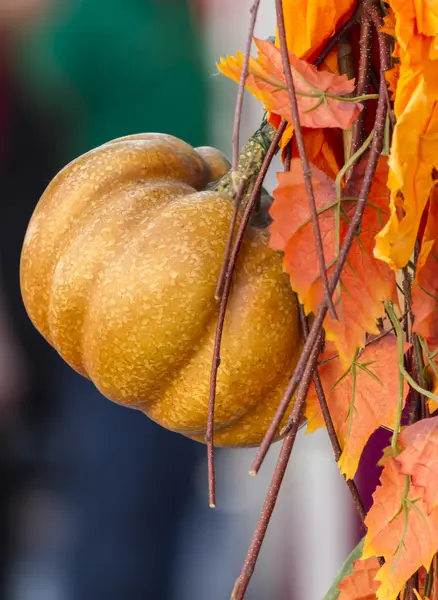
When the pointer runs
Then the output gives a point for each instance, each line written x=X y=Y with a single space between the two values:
x=360 y=584
x=392 y=76
x=414 y=153
x=399 y=530
x=310 y=24
x=361 y=398
x=419 y=459
x=365 y=282
x=324 y=147
x=319 y=93
x=389 y=23
x=414 y=148
x=414 y=18
x=425 y=287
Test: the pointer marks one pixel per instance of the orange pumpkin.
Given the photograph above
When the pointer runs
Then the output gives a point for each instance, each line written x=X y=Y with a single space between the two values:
x=118 y=272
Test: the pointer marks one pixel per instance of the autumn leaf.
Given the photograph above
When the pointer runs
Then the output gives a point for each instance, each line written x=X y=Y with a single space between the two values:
x=310 y=24
x=414 y=18
x=414 y=148
x=400 y=530
x=324 y=147
x=419 y=459
x=365 y=282
x=389 y=23
x=319 y=93
x=361 y=398
x=414 y=153
x=425 y=287
x=392 y=76
x=360 y=584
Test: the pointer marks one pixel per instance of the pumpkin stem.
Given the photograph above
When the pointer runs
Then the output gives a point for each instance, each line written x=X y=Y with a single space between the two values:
x=250 y=161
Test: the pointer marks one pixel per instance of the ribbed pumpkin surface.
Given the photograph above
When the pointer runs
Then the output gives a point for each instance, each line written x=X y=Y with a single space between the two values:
x=118 y=272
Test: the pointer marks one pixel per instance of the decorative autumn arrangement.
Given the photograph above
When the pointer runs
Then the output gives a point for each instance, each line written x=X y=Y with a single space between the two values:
x=148 y=265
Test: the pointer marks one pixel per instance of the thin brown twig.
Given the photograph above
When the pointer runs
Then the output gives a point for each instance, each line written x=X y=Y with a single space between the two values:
x=277 y=478
x=348 y=25
x=337 y=450
x=229 y=244
x=307 y=172
x=374 y=153
x=240 y=92
x=209 y=436
x=363 y=83
x=384 y=40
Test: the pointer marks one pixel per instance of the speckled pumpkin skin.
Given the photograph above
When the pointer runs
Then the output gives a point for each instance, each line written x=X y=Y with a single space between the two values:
x=118 y=272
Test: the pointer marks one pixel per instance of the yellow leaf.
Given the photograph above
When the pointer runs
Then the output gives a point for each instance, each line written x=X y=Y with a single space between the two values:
x=414 y=149
x=310 y=24
x=414 y=153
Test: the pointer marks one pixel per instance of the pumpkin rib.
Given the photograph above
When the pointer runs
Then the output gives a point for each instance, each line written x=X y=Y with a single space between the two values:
x=99 y=237
x=216 y=163
x=249 y=299
x=73 y=188
x=152 y=292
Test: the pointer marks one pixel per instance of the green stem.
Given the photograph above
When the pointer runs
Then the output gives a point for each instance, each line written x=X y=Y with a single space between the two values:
x=400 y=357
x=429 y=355
x=351 y=161
x=353 y=392
x=403 y=373
x=353 y=98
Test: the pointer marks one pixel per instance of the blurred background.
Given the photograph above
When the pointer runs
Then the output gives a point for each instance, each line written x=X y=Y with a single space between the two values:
x=96 y=501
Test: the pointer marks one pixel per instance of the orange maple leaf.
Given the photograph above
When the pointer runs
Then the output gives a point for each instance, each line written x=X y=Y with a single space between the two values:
x=392 y=76
x=389 y=23
x=310 y=24
x=425 y=287
x=419 y=459
x=399 y=530
x=414 y=18
x=324 y=147
x=360 y=583
x=361 y=399
x=414 y=148
x=319 y=93
x=365 y=282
